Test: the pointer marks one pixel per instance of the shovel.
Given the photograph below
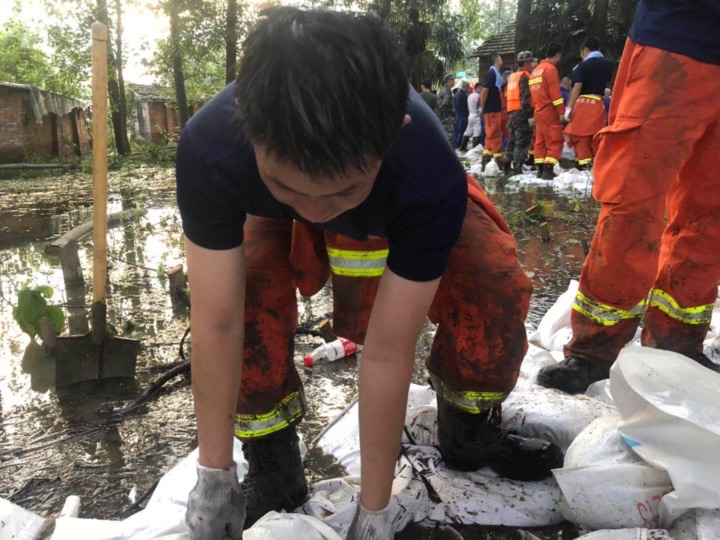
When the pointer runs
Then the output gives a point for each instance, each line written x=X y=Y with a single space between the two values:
x=97 y=354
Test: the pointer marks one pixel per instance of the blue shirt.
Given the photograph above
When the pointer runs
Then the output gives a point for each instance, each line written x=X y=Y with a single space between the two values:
x=687 y=27
x=493 y=103
x=418 y=201
x=594 y=74
x=461 y=104
x=565 y=94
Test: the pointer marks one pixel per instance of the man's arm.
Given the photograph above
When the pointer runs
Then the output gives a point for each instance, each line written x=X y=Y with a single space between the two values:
x=483 y=98
x=577 y=88
x=217 y=286
x=525 y=96
x=552 y=80
x=397 y=318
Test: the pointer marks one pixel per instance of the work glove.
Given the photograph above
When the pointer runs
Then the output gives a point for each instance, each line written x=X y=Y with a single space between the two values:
x=216 y=506
x=479 y=111
x=531 y=123
x=568 y=111
x=368 y=525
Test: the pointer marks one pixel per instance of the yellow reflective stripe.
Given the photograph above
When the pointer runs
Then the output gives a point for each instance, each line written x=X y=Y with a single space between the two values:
x=499 y=154
x=487 y=152
x=536 y=80
x=539 y=161
x=591 y=96
x=604 y=314
x=470 y=401
x=693 y=315
x=557 y=102
x=584 y=161
x=551 y=161
x=284 y=414
x=357 y=263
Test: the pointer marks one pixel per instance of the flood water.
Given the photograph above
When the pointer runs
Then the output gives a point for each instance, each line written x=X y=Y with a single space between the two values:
x=51 y=448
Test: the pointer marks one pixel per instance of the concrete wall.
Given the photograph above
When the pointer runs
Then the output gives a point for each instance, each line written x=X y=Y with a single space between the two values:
x=22 y=138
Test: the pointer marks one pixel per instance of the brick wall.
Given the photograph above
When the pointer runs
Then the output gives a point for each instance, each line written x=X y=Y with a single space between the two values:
x=158 y=120
x=12 y=147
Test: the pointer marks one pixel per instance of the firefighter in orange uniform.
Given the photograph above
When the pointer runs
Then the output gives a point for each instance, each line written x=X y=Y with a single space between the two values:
x=658 y=156
x=549 y=112
x=586 y=107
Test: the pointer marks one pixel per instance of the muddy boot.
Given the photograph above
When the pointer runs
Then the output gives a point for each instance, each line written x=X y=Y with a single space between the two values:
x=540 y=170
x=581 y=167
x=464 y=143
x=507 y=167
x=475 y=141
x=573 y=375
x=275 y=479
x=517 y=168
x=704 y=361
x=548 y=172
x=485 y=161
x=469 y=442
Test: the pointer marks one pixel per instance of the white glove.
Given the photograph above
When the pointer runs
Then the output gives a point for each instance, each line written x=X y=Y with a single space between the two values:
x=368 y=525
x=216 y=506
x=531 y=123
x=480 y=111
x=568 y=111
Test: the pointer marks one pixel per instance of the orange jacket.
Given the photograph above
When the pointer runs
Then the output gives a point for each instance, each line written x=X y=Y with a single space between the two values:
x=545 y=90
x=514 y=91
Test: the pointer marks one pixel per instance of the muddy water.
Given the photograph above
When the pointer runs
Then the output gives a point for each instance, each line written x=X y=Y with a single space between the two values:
x=51 y=447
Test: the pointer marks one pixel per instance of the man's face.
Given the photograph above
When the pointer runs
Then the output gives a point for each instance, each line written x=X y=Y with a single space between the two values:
x=498 y=62
x=317 y=199
x=451 y=83
x=584 y=52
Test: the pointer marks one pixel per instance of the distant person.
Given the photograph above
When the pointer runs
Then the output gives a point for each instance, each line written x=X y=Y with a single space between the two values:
x=491 y=111
x=565 y=88
x=426 y=93
x=445 y=109
x=474 y=127
x=586 y=106
x=503 y=102
x=520 y=111
x=461 y=111
x=549 y=112
x=606 y=101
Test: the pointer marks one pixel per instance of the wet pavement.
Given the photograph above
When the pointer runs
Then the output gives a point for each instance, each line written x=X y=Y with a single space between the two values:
x=51 y=447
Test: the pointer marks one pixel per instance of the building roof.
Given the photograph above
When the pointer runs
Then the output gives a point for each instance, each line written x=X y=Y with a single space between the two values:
x=44 y=102
x=150 y=92
x=503 y=42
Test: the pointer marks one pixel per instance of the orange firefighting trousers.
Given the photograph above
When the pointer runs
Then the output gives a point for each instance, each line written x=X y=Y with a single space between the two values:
x=548 y=137
x=493 y=135
x=588 y=117
x=480 y=308
x=659 y=154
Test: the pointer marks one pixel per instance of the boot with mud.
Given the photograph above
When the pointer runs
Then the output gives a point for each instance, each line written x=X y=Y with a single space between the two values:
x=464 y=143
x=704 y=361
x=517 y=168
x=574 y=374
x=484 y=162
x=548 y=172
x=540 y=170
x=275 y=478
x=507 y=167
x=475 y=141
x=469 y=442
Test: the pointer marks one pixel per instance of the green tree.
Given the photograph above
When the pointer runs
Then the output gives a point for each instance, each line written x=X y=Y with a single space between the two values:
x=22 y=60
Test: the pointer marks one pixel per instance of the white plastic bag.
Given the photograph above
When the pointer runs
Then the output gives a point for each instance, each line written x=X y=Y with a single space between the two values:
x=628 y=534
x=670 y=408
x=18 y=524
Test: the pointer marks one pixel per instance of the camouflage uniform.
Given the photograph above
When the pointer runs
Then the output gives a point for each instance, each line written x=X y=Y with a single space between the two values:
x=446 y=112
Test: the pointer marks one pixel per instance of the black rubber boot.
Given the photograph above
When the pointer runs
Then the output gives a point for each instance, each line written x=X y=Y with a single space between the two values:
x=485 y=161
x=540 y=169
x=581 y=167
x=464 y=143
x=517 y=168
x=475 y=141
x=507 y=167
x=469 y=442
x=275 y=479
x=548 y=173
x=573 y=375
x=704 y=361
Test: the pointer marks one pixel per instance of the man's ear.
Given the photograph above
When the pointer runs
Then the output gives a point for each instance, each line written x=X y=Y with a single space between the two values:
x=406 y=120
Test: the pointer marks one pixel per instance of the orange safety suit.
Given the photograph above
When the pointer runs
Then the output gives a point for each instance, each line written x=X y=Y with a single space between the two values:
x=588 y=117
x=480 y=309
x=549 y=106
x=658 y=155
x=493 y=135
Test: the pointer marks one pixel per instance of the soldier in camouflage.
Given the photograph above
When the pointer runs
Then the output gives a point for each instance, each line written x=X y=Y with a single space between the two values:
x=444 y=107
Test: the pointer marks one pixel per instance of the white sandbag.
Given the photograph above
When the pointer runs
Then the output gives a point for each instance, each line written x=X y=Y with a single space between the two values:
x=17 y=523
x=567 y=153
x=697 y=525
x=605 y=485
x=554 y=330
x=670 y=408
x=276 y=526
x=475 y=152
x=628 y=534
x=492 y=170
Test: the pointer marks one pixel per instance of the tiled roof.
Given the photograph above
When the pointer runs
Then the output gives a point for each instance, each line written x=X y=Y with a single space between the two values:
x=503 y=42
x=150 y=92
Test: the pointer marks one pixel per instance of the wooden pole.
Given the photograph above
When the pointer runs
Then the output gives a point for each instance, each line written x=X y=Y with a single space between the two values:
x=99 y=147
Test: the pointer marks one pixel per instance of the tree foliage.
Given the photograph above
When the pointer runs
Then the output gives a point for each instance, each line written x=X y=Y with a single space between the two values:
x=22 y=60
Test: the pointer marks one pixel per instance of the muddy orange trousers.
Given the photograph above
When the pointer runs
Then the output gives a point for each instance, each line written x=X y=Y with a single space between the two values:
x=480 y=308
x=659 y=155
x=588 y=118
x=548 y=137
x=493 y=135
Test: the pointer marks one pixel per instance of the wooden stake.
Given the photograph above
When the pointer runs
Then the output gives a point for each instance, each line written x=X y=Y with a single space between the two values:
x=48 y=335
x=545 y=231
x=178 y=282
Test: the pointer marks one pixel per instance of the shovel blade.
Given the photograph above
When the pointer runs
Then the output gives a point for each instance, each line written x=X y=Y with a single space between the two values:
x=119 y=357
x=77 y=359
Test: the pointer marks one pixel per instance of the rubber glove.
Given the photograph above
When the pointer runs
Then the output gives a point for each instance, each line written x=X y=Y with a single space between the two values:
x=568 y=111
x=369 y=525
x=216 y=506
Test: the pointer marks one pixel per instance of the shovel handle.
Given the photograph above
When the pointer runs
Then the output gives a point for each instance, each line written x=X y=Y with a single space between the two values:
x=99 y=157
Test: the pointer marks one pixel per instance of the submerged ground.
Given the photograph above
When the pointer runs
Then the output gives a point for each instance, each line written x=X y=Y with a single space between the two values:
x=52 y=447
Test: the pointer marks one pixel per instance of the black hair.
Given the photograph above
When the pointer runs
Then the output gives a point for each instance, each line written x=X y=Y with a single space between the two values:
x=325 y=91
x=592 y=43
x=455 y=90
x=553 y=49
x=426 y=83
x=493 y=57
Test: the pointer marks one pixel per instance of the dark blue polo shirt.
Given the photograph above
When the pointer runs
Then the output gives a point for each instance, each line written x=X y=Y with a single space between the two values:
x=687 y=27
x=594 y=74
x=418 y=201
